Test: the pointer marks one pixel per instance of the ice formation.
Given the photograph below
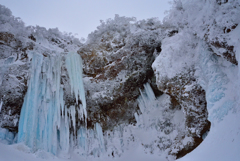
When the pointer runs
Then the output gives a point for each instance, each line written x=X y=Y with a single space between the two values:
x=1 y=105
x=160 y=123
x=74 y=67
x=45 y=120
x=6 y=136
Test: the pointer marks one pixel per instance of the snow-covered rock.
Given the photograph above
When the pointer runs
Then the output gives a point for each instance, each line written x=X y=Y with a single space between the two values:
x=197 y=65
x=191 y=57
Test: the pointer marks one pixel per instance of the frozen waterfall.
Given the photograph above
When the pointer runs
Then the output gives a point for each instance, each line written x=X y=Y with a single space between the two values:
x=45 y=120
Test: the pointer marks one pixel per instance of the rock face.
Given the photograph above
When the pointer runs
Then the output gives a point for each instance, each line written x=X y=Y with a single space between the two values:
x=186 y=92
x=117 y=62
x=14 y=76
x=179 y=68
x=116 y=66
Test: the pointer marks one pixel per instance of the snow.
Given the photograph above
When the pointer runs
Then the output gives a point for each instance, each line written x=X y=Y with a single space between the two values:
x=22 y=153
x=46 y=132
x=216 y=75
x=222 y=142
x=171 y=60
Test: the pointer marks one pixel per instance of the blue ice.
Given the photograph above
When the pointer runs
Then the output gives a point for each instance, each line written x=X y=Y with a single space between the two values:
x=42 y=126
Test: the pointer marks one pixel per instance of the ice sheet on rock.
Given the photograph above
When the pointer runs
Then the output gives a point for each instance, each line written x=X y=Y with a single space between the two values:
x=217 y=83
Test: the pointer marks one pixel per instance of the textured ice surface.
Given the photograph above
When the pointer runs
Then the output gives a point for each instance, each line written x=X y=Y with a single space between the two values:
x=218 y=82
x=40 y=113
x=6 y=136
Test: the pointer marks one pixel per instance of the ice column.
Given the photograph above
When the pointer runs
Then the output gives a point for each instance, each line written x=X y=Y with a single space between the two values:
x=74 y=67
x=40 y=113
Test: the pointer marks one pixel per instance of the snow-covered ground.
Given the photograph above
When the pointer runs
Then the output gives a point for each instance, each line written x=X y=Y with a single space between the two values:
x=20 y=152
x=221 y=144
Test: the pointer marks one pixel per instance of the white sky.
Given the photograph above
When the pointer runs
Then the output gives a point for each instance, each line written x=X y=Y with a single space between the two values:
x=82 y=16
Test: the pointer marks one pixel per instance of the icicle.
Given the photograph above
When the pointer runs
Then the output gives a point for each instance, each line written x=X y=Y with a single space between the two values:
x=136 y=117
x=28 y=124
x=1 y=105
x=82 y=139
x=147 y=97
x=72 y=112
x=99 y=132
x=64 y=136
x=74 y=64
x=149 y=92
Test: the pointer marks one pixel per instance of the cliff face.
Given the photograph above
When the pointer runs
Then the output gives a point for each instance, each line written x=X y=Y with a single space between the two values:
x=123 y=61
x=14 y=76
x=186 y=67
x=117 y=61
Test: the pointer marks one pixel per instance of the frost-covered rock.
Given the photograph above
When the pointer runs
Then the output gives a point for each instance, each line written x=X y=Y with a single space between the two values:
x=185 y=68
x=175 y=74
x=191 y=56
x=212 y=21
x=117 y=62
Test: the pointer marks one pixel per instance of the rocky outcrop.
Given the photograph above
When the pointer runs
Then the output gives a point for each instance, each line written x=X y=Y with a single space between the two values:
x=179 y=66
x=115 y=68
x=185 y=91
x=117 y=62
x=14 y=76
